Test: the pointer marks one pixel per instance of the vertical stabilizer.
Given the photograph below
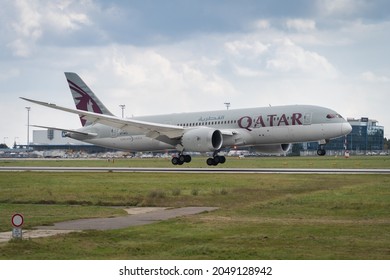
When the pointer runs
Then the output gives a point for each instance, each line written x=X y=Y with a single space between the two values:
x=84 y=98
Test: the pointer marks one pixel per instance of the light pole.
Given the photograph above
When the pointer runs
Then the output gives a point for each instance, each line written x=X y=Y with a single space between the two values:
x=28 y=126
x=123 y=109
x=227 y=104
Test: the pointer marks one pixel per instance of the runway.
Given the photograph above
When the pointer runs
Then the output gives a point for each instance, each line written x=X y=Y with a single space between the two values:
x=198 y=170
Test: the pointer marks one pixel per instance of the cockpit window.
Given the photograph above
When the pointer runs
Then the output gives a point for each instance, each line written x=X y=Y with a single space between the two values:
x=333 y=116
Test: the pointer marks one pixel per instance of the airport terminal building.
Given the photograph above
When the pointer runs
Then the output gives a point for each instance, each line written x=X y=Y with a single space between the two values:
x=56 y=140
x=366 y=138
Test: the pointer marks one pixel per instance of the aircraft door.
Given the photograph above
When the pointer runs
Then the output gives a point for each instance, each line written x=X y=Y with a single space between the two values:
x=307 y=118
x=114 y=132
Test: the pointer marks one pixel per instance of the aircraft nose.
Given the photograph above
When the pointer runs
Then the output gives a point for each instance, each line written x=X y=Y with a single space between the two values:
x=346 y=128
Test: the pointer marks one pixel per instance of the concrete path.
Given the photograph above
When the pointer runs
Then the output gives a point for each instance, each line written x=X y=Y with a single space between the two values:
x=34 y=233
x=137 y=216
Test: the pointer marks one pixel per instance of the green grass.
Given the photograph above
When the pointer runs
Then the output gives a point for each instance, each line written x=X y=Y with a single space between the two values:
x=261 y=216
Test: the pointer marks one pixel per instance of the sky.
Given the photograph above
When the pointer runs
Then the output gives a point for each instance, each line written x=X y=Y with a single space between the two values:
x=173 y=56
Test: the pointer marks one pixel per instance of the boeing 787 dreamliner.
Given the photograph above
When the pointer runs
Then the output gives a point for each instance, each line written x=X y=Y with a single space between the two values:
x=266 y=129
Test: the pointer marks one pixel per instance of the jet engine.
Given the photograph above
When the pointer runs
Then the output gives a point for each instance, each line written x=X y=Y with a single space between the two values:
x=203 y=139
x=273 y=149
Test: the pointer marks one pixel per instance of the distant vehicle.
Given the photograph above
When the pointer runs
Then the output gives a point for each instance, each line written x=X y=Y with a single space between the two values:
x=53 y=154
x=235 y=153
x=148 y=155
x=267 y=129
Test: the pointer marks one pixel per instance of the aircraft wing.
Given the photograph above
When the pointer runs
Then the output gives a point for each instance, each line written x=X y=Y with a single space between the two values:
x=67 y=130
x=152 y=130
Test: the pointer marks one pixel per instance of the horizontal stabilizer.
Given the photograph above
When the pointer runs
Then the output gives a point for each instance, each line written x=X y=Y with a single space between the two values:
x=67 y=130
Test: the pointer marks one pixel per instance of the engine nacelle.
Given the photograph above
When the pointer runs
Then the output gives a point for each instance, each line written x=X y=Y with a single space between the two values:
x=202 y=139
x=273 y=149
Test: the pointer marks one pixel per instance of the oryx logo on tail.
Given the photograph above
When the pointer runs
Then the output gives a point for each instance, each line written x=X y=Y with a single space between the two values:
x=84 y=98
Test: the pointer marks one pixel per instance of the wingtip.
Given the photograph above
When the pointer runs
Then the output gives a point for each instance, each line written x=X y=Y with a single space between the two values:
x=39 y=102
x=25 y=99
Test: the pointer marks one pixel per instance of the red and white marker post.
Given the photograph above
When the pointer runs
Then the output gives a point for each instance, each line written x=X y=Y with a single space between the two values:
x=17 y=221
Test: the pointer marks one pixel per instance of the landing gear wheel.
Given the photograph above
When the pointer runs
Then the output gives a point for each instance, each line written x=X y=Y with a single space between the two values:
x=321 y=150
x=216 y=160
x=175 y=161
x=211 y=162
x=181 y=159
x=222 y=159
x=187 y=158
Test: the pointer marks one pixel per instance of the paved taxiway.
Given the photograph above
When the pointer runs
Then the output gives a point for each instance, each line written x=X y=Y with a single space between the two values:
x=200 y=170
x=136 y=216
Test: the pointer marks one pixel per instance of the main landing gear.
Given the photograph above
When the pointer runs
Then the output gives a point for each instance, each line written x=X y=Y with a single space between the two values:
x=179 y=160
x=216 y=159
x=213 y=161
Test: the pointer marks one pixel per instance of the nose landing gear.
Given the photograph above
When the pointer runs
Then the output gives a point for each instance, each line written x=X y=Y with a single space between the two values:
x=321 y=148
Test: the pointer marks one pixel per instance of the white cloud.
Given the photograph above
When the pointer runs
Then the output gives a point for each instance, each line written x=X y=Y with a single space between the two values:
x=289 y=57
x=261 y=24
x=356 y=31
x=9 y=74
x=245 y=47
x=20 y=47
x=33 y=18
x=150 y=68
x=342 y=7
x=61 y=19
x=153 y=79
x=301 y=25
x=248 y=72
x=373 y=78
x=26 y=27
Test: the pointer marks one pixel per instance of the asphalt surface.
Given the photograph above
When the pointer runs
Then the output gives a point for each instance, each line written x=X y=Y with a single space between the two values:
x=200 y=170
x=127 y=221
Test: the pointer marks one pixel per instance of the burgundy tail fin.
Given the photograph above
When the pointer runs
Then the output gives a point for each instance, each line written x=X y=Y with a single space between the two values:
x=84 y=98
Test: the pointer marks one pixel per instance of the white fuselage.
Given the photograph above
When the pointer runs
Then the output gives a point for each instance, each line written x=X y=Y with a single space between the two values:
x=244 y=127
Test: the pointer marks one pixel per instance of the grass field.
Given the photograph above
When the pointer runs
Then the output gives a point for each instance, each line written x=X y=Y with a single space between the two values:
x=261 y=216
x=232 y=162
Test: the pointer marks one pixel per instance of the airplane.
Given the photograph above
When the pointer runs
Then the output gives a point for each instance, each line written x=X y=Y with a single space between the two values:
x=267 y=129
